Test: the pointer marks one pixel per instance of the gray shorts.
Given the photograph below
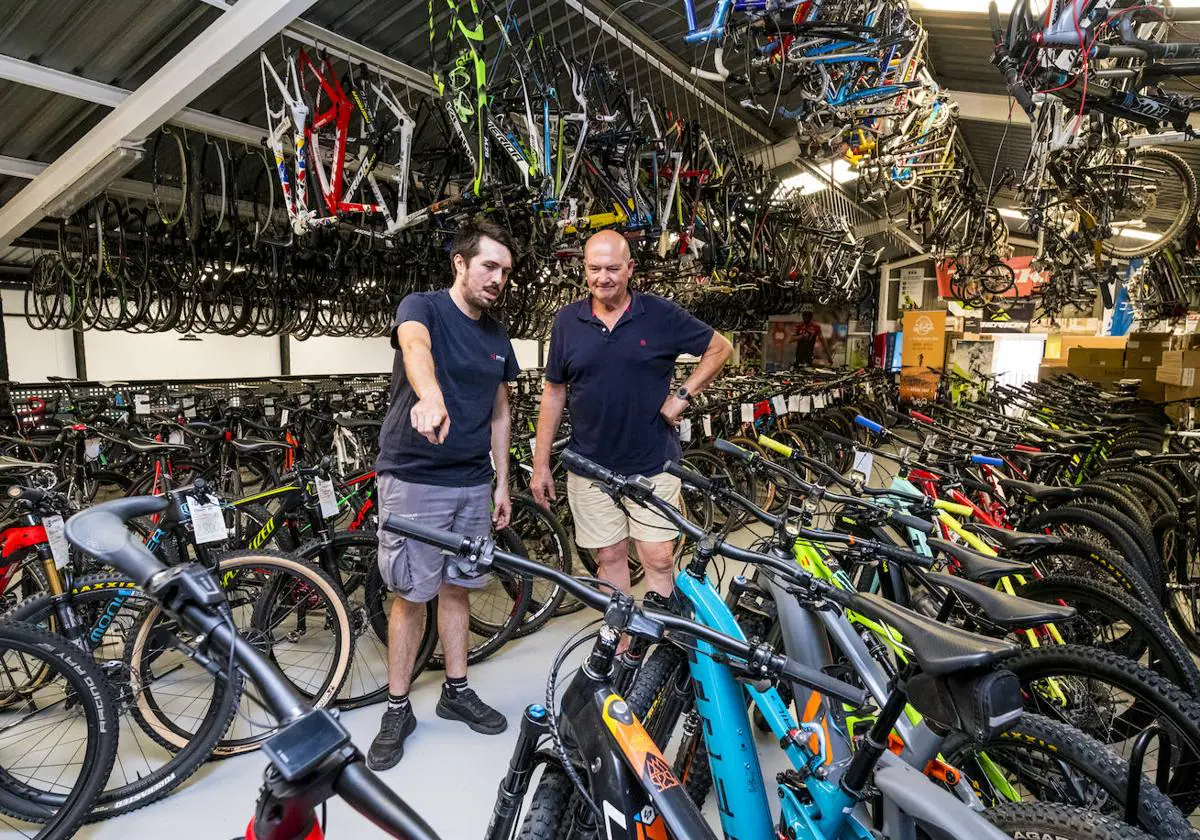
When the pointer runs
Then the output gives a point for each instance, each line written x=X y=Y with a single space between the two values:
x=415 y=570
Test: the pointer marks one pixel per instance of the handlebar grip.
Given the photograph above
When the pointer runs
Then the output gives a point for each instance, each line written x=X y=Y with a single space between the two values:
x=688 y=476
x=953 y=508
x=582 y=466
x=838 y=439
x=903 y=555
x=1024 y=447
x=722 y=445
x=921 y=418
x=908 y=521
x=823 y=683
x=988 y=460
x=100 y=532
x=775 y=446
x=447 y=540
x=871 y=425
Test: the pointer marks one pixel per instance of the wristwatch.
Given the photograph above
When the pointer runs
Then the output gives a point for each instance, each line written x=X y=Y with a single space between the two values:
x=682 y=393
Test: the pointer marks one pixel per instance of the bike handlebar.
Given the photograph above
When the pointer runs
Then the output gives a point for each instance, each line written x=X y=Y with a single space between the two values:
x=1006 y=64
x=101 y=532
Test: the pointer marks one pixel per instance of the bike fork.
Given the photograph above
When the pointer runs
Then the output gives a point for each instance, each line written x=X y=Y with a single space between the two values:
x=534 y=724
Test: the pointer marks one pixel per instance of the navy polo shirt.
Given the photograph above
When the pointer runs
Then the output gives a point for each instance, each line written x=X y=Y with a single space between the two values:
x=470 y=359
x=617 y=380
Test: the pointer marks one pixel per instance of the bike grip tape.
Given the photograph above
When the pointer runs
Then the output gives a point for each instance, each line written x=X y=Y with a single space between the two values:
x=868 y=424
x=987 y=459
x=838 y=439
x=953 y=508
x=903 y=555
x=582 y=466
x=722 y=445
x=688 y=476
x=775 y=446
x=914 y=522
x=921 y=418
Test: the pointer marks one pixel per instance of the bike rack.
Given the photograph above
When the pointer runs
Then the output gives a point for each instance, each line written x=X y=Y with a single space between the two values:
x=1137 y=758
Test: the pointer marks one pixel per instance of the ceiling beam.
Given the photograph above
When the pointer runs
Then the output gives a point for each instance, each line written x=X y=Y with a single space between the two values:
x=987 y=107
x=213 y=53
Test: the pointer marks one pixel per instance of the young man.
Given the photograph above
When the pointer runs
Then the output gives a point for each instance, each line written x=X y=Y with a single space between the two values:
x=616 y=350
x=449 y=411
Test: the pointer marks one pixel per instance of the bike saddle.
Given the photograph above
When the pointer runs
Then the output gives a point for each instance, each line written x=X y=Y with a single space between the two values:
x=146 y=445
x=1009 y=611
x=1059 y=434
x=1013 y=540
x=1038 y=492
x=200 y=429
x=975 y=566
x=938 y=648
x=358 y=422
x=258 y=445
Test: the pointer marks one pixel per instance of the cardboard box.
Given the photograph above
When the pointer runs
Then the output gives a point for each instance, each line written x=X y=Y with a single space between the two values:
x=1096 y=373
x=1061 y=346
x=1177 y=376
x=1145 y=350
x=1180 y=359
x=1096 y=357
x=1190 y=341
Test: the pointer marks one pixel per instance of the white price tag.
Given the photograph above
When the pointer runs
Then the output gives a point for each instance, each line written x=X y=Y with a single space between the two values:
x=269 y=405
x=806 y=405
x=189 y=412
x=91 y=449
x=819 y=401
x=329 y=505
x=707 y=421
x=175 y=437
x=141 y=403
x=304 y=399
x=283 y=417
x=56 y=535
x=864 y=462
x=794 y=403
x=747 y=412
x=207 y=521
x=778 y=403
x=685 y=430
x=532 y=446
x=1191 y=424
x=189 y=402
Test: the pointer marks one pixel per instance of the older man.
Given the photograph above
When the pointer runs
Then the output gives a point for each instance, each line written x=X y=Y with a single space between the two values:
x=612 y=355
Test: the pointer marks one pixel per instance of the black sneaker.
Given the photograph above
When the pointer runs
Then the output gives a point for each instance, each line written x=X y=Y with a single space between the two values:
x=388 y=747
x=472 y=711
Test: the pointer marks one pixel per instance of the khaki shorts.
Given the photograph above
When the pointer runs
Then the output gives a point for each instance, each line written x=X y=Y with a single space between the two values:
x=601 y=522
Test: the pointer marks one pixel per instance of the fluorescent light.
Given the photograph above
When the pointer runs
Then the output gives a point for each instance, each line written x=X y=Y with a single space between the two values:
x=1009 y=213
x=977 y=7
x=1121 y=233
x=115 y=164
x=807 y=182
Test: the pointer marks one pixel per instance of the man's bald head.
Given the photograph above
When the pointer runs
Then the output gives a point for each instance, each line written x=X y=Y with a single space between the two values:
x=607 y=267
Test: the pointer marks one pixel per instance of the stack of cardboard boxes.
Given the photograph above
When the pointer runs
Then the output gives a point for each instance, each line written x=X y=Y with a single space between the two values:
x=1178 y=372
x=1108 y=360
x=1143 y=356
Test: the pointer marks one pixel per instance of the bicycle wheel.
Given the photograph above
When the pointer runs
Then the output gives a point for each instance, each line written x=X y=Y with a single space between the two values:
x=170 y=176
x=544 y=540
x=378 y=601
x=1047 y=761
x=497 y=610
x=1168 y=185
x=287 y=608
x=1114 y=700
x=1061 y=822
x=57 y=741
x=170 y=710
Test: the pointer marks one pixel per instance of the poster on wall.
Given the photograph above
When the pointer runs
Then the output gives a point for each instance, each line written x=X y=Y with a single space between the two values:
x=922 y=355
x=747 y=349
x=811 y=339
x=1026 y=278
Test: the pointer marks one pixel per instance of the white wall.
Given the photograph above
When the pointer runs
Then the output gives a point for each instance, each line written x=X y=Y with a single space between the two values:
x=33 y=354
x=120 y=355
x=323 y=354
x=527 y=352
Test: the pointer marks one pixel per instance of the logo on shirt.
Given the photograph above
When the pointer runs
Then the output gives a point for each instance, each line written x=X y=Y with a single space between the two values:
x=643 y=342
x=495 y=357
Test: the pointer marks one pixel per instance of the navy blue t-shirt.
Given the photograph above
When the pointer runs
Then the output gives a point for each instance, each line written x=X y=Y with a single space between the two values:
x=471 y=358
x=617 y=381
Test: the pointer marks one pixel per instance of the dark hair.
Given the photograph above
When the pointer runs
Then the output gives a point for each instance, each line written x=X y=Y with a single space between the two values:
x=466 y=238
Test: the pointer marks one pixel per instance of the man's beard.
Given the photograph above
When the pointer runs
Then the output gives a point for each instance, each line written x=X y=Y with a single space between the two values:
x=480 y=302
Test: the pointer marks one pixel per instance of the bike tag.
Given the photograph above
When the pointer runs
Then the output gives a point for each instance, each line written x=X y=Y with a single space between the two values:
x=707 y=425
x=56 y=535
x=208 y=522
x=747 y=412
x=283 y=417
x=175 y=437
x=532 y=446
x=329 y=505
x=793 y=403
x=864 y=462
x=806 y=405
x=91 y=449
x=778 y=403
x=269 y=405
x=685 y=430
x=141 y=403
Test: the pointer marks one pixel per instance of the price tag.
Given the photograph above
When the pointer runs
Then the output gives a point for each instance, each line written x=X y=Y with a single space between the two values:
x=175 y=437
x=819 y=401
x=269 y=405
x=141 y=403
x=283 y=417
x=864 y=462
x=1191 y=417
x=207 y=520
x=189 y=402
x=91 y=449
x=329 y=505
x=56 y=535
x=304 y=399
x=370 y=402
x=532 y=446
x=707 y=421
x=685 y=430
x=806 y=405
x=189 y=412
x=794 y=403
x=747 y=412
x=732 y=416
x=778 y=403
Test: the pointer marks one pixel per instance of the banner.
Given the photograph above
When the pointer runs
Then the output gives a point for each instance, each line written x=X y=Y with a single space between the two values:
x=1027 y=279
x=924 y=339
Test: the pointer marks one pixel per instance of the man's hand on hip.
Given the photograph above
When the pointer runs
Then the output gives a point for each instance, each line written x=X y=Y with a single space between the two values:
x=673 y=408
x=430 y=419
x=542 y=485
x=501 y=508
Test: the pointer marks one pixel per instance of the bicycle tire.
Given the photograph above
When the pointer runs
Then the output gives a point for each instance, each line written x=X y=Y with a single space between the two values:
x=1025 y=821
x=1118 y=539
x=235 y=568
x=549 y=808
x=545 y=540
x=61 y=815
x=170 y=174
x=488 y=636
x=1187 y=210
x=1155 y=700
x=1093 y=777
x=1075 y=557
x=187 y=750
